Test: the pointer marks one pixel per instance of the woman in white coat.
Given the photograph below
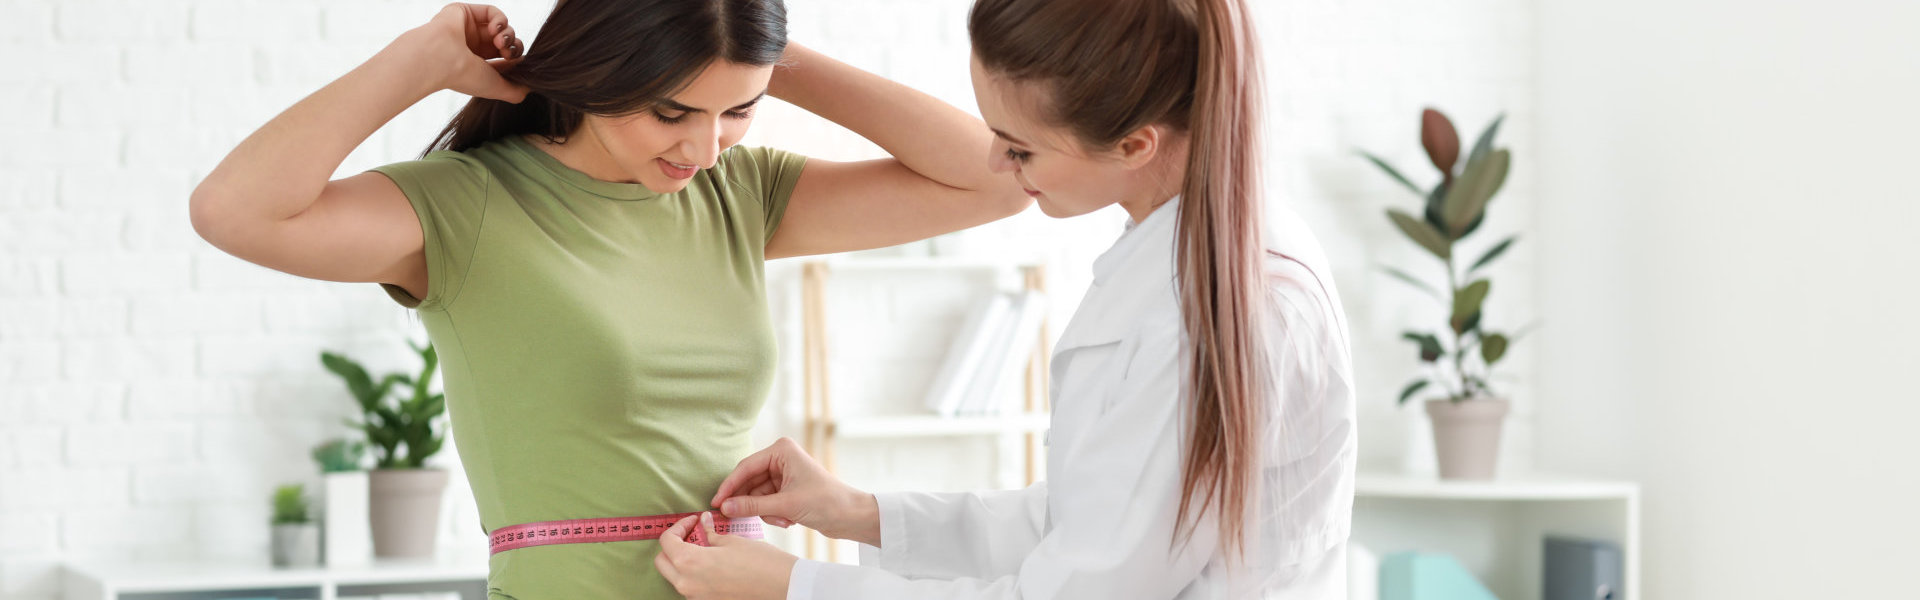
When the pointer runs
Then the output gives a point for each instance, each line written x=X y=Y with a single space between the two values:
x=1202 y=440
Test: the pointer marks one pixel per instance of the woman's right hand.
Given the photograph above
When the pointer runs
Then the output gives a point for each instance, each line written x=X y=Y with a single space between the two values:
x=467 y=46
x=783 y=485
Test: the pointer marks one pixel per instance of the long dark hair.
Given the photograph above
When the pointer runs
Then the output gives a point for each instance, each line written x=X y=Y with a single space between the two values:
x=1110 y=67
x=617 y=57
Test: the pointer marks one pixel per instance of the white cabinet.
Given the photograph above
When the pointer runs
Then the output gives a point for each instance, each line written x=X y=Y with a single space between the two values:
x=209 y=580
x=1497 y=528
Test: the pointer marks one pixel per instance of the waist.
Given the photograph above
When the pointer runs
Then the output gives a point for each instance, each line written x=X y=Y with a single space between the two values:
x=613 y=529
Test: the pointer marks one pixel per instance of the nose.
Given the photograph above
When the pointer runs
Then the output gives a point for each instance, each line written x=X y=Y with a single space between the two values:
x=703 y=146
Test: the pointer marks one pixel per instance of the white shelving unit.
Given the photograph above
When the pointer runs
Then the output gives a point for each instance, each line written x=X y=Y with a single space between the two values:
x=823 y=427
x=1496 y=528
x=209 y=580
x=930 y=426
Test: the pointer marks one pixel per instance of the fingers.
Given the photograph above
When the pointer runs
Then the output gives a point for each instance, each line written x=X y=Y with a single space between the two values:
x=706 y=526
x=673 y=541
x=667 y=571
x=776 y=505
x=488 y=34
x=498 y=88
x=488 y=17
x=749 y=487
x=753 y=466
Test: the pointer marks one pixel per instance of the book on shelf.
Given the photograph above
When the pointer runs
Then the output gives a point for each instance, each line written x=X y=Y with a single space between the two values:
x=964 y=355
x=990 y=349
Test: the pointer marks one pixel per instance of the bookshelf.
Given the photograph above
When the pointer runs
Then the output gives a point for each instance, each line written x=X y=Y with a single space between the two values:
x=823 y=428
x=1495 y=527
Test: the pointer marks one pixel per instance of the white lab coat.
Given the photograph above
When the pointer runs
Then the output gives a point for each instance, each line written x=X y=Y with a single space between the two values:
x=1102 y=525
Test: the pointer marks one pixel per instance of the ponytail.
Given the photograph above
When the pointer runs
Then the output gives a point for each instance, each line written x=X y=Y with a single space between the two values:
x=1219 y=255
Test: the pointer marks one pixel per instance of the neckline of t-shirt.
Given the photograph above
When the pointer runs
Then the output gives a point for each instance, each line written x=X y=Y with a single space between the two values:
x=586 y=183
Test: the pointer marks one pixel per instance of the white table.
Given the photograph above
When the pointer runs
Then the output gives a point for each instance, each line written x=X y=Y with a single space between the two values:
x=158 y=580
x=1496 y=528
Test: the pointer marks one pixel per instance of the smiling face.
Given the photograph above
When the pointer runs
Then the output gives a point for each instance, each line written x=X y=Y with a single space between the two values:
x=664 y=146
x=1064 y=177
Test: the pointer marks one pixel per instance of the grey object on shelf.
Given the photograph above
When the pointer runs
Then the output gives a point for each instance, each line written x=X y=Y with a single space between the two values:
x=296 y=545
x=1581 y=569
x=1466 y=436
x=406 y=511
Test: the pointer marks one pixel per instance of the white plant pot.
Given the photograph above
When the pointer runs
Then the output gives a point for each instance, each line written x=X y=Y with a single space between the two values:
x=347 y=538
x=296 y=546
x=1466 y=436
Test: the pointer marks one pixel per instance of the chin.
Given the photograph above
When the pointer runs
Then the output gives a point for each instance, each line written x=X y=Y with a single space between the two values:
x=1053 y=209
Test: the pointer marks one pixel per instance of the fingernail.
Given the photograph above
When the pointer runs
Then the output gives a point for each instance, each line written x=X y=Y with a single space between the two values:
x=730 y=507
x=706 y=518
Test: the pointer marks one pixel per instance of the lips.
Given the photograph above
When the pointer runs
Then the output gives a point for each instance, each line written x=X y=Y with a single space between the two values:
x=676 y=170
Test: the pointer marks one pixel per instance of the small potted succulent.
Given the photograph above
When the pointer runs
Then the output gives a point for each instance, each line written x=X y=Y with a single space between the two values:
x=404 y=421
x=1458 y=357
x=296 y=539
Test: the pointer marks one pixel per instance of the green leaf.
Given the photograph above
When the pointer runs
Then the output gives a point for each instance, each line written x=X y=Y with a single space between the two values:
x=1413 y=281
x=1466 y=305
x=1430 y=348
x=1485 y=144
x=1411 y=389
x=359 y=383
x=1395 y=173
x=1422 y=233
x=1493 y=346
x=1466 y=202
x=1432 y=210
x=1492 y=253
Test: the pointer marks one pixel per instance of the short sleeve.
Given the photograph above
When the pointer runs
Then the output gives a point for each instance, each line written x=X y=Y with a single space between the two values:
x=768 y=175
x=448 y=191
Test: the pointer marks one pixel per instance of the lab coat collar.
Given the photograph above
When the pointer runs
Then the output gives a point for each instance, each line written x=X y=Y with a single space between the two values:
x=1131 y=281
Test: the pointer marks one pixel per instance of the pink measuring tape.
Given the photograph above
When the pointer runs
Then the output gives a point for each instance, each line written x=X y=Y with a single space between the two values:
x=616 y=529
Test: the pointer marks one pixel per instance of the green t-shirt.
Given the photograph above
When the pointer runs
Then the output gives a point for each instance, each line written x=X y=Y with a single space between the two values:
x=606 y=348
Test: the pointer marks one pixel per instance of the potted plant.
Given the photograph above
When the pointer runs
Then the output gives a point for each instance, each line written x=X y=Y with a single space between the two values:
x=402 y=419
x=346 y=529
x=296 y=540
x=1458 y=356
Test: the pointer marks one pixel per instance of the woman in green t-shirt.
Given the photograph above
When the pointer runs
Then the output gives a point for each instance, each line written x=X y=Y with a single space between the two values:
x=585 y=245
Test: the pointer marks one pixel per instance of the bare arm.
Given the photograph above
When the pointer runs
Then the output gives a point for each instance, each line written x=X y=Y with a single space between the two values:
x=936 y=183
x=270 y=201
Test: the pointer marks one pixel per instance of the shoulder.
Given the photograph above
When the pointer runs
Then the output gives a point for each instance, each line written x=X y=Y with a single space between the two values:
x=442 y=173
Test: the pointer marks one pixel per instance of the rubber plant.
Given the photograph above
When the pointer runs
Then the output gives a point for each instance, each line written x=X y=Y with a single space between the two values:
x=1462 y=352
x=397 y=410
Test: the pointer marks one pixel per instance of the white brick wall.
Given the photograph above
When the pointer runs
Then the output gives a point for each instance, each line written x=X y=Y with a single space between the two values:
x=152 y=389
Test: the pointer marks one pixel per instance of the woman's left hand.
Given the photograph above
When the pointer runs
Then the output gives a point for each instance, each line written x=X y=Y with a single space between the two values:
x=731 y=568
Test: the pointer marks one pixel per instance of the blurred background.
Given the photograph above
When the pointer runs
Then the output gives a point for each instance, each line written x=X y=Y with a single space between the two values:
x=1715 y=269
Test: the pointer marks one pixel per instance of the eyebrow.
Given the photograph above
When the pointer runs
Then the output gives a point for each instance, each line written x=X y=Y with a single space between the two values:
x=669 y=104
x=1003 y=135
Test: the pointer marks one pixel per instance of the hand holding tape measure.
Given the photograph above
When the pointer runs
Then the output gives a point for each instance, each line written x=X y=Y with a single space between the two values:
x=782 y=485
x=728 y=566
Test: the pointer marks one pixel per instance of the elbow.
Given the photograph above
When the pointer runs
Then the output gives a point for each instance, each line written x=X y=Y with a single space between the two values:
x=211 y=212
x=204 y=213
